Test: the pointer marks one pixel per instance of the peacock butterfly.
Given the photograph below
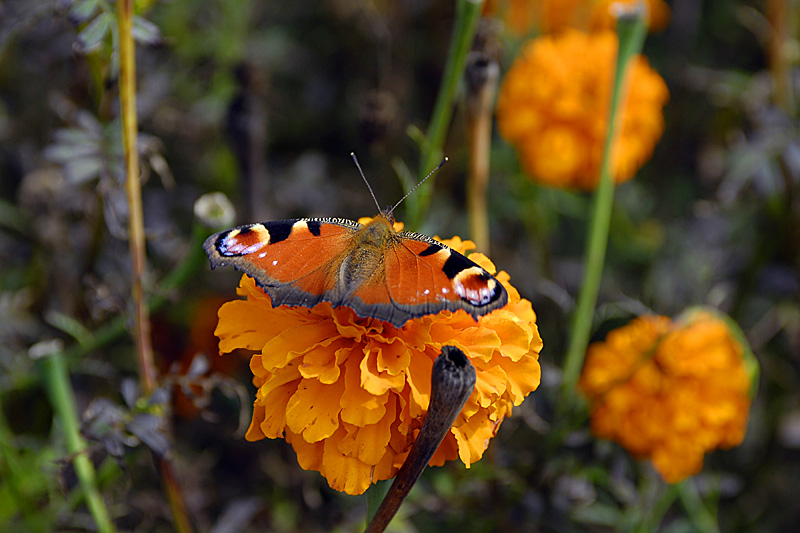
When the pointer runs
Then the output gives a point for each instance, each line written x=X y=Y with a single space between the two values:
x=371 y=268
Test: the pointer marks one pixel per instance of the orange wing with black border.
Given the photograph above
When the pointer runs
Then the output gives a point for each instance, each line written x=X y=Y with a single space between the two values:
x=294 y=261
x=402 y=276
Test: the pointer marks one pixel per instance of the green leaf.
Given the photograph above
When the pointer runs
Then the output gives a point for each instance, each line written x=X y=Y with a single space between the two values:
x=91 y=37
x=403 y=173
x=83 y=170
x=82 y=10
x=145 y=32
x=68 y=325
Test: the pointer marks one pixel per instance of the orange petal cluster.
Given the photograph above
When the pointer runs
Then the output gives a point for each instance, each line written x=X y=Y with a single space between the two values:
x=601 y=18
x=669 y=391
x=553 y=108
x=549 y=16
x=350 y=393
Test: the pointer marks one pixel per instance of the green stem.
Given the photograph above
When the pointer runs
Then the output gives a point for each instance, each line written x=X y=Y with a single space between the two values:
x=652 y=519
x=59 y=389
x=631 y=33
x=702 y=517
x=468 y=13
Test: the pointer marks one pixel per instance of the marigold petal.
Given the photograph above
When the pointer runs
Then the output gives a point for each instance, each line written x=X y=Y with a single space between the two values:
x=347 y=323
x=389 y=464
x=418 y=378
x=232 y=315
x=322 y=361
x=280 y=377
x=347 y=474
x=480 y=341
x=369 y=443
x=447 y=451
x=677 y=460
x=377 y=382
x=313 y=410
x=272 y=421
x=309 y=454
x=473 y=438
x=295 y=341
x=254 y=431
x=258 y=370
x=393 y=356
x=490 y=384
x=524 y=376
x=517 y=338
x=359 y=406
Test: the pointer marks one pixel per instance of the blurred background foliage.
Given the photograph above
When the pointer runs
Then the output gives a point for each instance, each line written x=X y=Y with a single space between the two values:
x=264 y=101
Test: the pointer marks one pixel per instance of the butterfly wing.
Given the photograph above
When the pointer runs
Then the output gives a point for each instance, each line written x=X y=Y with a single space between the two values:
x=422 y=276
x=371 y=269
x=294 y=261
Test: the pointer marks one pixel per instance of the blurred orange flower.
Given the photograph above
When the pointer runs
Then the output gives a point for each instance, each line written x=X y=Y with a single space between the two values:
x=350 y=393
x=554 y=104
x=658 y=13
x=550 y=16
x=670 y=391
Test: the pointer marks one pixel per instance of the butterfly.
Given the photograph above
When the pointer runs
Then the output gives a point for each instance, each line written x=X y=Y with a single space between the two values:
x=371 y=268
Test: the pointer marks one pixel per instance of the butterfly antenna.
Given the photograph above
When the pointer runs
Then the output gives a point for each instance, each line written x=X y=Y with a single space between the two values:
x=415 y=187
x=355 y=160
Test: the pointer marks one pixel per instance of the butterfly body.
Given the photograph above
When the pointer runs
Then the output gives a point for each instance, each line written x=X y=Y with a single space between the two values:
x=372 y=268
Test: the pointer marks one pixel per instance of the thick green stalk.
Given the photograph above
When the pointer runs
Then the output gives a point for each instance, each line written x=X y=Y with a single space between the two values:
x=631 y=31
x=467 y=15
x=59 y=389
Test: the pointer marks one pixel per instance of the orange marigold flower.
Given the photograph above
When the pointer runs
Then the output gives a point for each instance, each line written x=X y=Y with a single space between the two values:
x=550 y=16
x=350 y=393
x=658 y=14
x=554 y=103
x=670 y=391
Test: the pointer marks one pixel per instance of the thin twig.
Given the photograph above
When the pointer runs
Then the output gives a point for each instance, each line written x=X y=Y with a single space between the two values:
x=141 y=318
x=133 y=187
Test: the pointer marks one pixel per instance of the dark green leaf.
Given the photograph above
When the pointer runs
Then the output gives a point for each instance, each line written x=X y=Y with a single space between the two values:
x=82 y=10
x=91 y=37
x=145 y=32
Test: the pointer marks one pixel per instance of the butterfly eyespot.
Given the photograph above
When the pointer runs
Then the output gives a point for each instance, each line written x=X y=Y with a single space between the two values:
x=475 y=285
x=243 y=241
